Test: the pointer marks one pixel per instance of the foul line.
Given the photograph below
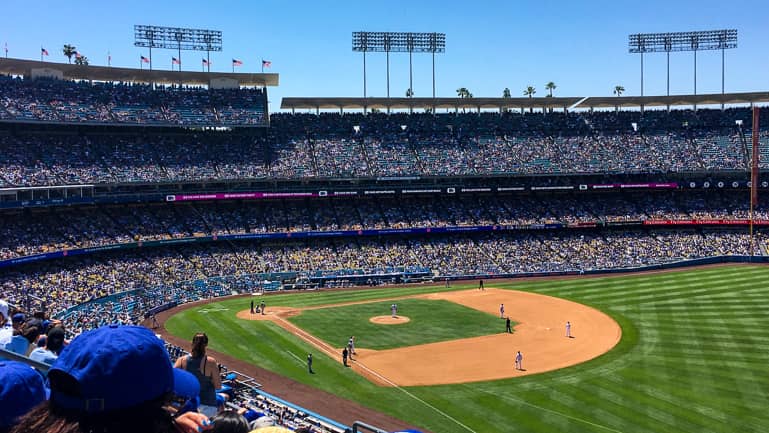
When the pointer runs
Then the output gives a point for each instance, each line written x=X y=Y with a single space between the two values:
x=555 y=412
x=301 y=361
x=320 y=344
x=396 y=386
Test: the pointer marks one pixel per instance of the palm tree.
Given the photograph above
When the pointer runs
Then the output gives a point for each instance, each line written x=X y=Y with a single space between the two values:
x=462 y=92
x=82 y=60
x=69 y=51
x=618 y=91
x=506 y=93
x=530 y=91
x=550 y=86
x=409 y=93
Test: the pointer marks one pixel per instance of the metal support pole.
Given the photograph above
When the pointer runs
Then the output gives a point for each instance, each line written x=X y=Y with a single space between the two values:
x=668 y=53
x=695 y=77
x=150 y=55
x=208 y=60
x=723 y=71
x=364 y=74
x=388 y=74
x=641 y=73
x=433 y=81
x=411 y=82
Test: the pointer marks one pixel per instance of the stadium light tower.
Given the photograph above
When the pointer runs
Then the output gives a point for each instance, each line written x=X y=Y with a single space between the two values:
x=683 y=41
x=178 y=38
x=398 y=42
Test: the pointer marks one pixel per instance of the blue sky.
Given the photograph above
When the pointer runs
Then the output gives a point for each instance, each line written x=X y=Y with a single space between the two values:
x=490 y=45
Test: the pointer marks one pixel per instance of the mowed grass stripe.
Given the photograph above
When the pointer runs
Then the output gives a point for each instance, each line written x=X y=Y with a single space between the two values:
x=692 y=358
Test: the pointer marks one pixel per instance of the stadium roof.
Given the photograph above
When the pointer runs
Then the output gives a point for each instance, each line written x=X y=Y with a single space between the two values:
x=422 y=103
x=540 y=102
x=105 y=73
x=673 y=100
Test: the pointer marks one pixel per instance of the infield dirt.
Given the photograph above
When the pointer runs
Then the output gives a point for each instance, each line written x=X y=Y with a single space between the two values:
x=540 y=335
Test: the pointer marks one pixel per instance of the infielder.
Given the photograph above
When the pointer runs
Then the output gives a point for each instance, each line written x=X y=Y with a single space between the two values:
x=501 y=311
x=518 y=361
x=568 y=329
x=351 y=346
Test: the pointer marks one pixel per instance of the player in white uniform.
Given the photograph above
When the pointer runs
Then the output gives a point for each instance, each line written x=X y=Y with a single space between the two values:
x=519 y=361
x=394 y=310
x=501 y=311
x=568 y=329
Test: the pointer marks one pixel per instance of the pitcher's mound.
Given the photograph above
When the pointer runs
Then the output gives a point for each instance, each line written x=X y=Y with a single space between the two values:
x=389 y=320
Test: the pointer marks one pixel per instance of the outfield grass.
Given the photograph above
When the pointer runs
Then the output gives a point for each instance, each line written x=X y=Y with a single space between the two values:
x=430 y=322
x=693 y=358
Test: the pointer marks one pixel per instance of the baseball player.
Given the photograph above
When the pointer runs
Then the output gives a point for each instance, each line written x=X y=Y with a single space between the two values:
x=309 y=363
x=518 y=361
x=262 y=305
x=344 y=356
x=501 y=311
x=394 y=310
x=508 y=328
x=351 y=346
x=568 y=329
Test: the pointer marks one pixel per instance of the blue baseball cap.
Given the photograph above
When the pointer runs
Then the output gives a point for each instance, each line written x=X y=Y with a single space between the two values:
x=21 y=389
x=109 y=368
x=18 y=318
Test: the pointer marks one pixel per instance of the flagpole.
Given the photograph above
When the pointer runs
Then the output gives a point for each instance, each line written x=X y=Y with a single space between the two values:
x=263 y=66
x=41 y=53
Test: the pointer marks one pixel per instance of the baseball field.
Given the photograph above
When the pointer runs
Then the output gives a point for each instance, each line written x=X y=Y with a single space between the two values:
x=677 y=351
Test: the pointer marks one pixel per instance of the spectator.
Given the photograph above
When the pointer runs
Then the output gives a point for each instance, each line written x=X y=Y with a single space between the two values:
x=230 y=421
x=113 y=379
x=206 y=369
x=6 y=327
x=54 y=343
x=21 y=389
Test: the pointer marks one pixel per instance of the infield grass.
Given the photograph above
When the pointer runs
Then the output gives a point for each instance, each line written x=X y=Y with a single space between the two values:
x=430 y=322
x=693 y=357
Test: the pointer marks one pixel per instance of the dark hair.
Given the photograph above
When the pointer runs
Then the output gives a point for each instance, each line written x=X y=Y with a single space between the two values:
x=230 y=421
x=199 y=343
x=49 y=418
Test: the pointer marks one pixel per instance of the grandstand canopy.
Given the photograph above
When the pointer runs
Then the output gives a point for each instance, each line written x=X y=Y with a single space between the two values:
x=525 y=103
x=673 y=100
x=424 y=103
x=29 y=68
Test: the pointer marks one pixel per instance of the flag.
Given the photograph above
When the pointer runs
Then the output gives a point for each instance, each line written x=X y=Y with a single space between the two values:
x=266 y=63
x=78 y=55
x=144 y=59
x=175 y=61
x=206 y=62
x=236 y=62
x=43 y=51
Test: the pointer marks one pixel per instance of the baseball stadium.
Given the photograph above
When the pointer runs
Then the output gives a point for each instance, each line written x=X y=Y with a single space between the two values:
x=195 y=247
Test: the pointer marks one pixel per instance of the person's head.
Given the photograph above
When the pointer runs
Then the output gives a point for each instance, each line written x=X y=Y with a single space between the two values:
x=3 y=312
x=18 y=320
x=199 y=343
x=31 y=330
x=111 y=379
x=230 y=421
x=21 y=389
x=55 y=340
